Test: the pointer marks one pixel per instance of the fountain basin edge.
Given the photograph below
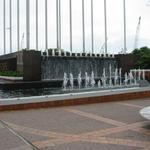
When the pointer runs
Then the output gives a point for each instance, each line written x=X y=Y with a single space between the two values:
x=74 y=98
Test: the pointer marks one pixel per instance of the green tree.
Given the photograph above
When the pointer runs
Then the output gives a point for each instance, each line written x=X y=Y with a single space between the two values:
x=143 y=57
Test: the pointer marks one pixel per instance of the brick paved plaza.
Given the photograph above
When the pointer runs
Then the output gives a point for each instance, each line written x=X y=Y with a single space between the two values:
x=104 y=126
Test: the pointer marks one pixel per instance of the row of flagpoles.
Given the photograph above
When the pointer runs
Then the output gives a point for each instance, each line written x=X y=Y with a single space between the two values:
x=58 y=25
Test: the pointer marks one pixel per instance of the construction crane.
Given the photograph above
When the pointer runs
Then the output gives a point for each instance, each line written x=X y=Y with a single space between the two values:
x=137 y=34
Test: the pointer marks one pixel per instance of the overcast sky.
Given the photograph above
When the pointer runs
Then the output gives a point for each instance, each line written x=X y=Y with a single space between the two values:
x=134 y=9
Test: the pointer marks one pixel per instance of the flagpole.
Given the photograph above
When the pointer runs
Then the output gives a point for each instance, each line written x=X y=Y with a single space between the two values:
x=83 y=26
x=57 y=28
x=70 y=12
x=37 y=25
x=46 y=26
x=18 y=26
x=92 y=34
x=4 y=26
x=10 y=21
x=105 y=20
x=27 y=24
x=59 y=7
x=124 y=13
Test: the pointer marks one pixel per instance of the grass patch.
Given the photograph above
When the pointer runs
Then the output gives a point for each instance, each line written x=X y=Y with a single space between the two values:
x=10 y=73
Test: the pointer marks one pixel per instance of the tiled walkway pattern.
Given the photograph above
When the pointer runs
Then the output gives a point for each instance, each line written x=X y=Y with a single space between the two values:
x=117 y=134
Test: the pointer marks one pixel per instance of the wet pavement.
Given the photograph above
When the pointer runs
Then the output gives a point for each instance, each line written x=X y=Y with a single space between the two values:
x=104 y=126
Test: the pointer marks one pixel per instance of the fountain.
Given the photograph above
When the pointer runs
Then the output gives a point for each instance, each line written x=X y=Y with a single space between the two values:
x=116 y=77
x=85 y=54
x=76 y=54
x=120 y=76
x=126 y=79
x=65 y=81
x=110 y=76
x=139 y=74
x=79 y=79
x=91 y=54
x=46 y=52
x=53 y=52
x=71 y=80
x=80 y=54
x=71 y=54
x=59 y=53
x=104 y=78
x=143 y=74
x=65 y=53
x=92 y=80
x=87 y=80
x=99 y=84
x=112 y=80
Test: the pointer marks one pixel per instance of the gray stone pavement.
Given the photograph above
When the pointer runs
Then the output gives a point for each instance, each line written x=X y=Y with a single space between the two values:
x=103 y=126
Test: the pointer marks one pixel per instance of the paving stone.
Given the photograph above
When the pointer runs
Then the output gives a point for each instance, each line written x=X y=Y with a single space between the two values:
x=8 y=140
x=131 y=135
x=89 y=146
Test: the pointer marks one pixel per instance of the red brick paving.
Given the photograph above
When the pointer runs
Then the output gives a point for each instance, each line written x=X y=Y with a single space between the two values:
x=104 y=138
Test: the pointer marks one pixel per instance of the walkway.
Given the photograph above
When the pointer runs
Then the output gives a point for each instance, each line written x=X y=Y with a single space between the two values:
x=105 y=126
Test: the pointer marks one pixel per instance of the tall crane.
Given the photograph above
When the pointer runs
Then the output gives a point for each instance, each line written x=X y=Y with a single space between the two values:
x=137 y=34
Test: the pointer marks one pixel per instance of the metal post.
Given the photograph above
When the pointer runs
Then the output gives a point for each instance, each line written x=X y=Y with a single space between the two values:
x=60 y=24
x=83 y=26
x=46 y=26
x=37 y=25
x=105 y=20
x=18 y=26
x=124 y=13
x=92 y=33
x=57 y=28
x=4 y=13
x=27 y=24
x=70 y=12
x=10 y=21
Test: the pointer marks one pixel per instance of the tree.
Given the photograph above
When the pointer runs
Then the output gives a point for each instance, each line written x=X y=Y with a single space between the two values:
x=143 y=57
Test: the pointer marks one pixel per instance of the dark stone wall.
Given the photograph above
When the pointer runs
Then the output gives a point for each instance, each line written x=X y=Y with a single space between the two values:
x=31 y=61
x=9 y=64
x=126 y=62
x=54 y=67
x=26 y=62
